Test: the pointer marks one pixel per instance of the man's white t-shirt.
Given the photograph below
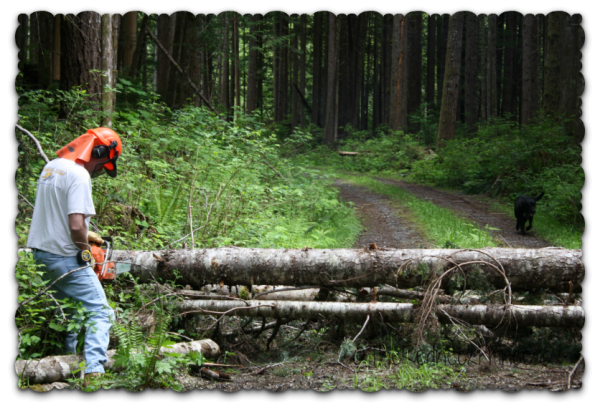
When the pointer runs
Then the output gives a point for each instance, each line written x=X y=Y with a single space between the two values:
x=64 y=188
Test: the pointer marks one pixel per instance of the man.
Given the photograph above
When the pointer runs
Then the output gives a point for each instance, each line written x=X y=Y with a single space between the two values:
x=59 y=233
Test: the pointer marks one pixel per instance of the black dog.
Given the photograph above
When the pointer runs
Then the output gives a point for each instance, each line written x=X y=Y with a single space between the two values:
x=525 y=210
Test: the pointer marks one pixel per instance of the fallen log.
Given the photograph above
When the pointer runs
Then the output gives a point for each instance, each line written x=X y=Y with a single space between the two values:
x=467 y=297
x=272 y=293
x=61 y=367
x=556 y=269
x=480 y=314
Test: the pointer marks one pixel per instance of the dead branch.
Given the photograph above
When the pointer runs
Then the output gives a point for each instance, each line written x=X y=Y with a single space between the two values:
x=275 y=170
x=35 y=140
x=181 y=71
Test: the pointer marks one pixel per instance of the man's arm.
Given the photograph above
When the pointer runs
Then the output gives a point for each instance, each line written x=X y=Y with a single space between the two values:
x=78 y=231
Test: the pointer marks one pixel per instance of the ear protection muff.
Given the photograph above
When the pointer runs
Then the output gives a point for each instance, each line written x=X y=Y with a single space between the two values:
x=103 y=151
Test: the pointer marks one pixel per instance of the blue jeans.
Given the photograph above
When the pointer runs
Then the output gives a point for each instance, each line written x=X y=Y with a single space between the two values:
x=82 y=286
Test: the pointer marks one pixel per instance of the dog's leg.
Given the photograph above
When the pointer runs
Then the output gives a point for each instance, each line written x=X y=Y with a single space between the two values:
x=530 y=223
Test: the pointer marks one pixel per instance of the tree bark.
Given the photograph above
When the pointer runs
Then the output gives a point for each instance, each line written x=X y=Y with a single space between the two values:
x=81 y=53
x=510 y=37
x=377 y=91
x=471 y=55
x=527 y=74
x=273 y=293
x=109 y=68
x=482 y=68
x=442 y=43
x=526 y=269
x=430 y=88
x=61 y=367
x=224 y=80
x=330 y=119
x=129 y=37
x=414 y=65
x=303 y=28
x=162 y=61
x=480 y=314
x=386 y=68
x=136 y=60
x=252 y=93
x=56 y=48
x=316 y=67
x=236 y=59
x=449 y=106
x=296 y=109
x=492 y=87
x=398 y=119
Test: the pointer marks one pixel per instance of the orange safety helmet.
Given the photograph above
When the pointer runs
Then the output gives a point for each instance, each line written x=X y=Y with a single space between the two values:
x=99 y=142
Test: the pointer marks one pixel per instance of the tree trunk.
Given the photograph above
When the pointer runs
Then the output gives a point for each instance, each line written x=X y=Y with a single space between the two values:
x=360 y=84
x=480 y=314
x=116 y=31
x=224 y=80
x=61 y=367
x=492 y=87
x=129 y=38
x=367 y=82
x=22 y=37
x=303 y=28
x=376 y=73
x=483 y=108
x=330 y=119
x=526 y=269
x=336 y=92
x=109 y=68
x=471 y=102
x=442 y=39
x=136 y=61
x=277 y=292
x=56 y=48
x=386 y=68
x=253 y=64
x=430 y=88
x=578 y=129
x=414 y=65
x=316 y=68
x=398 y=119
x=518 y=69
x=510 y=37
x=296 y=108
x=163 y=64
x=177 y=31
x=81 y=53
x=530 y=78
x=236 y=58
x=449 y=106
x=500 y=34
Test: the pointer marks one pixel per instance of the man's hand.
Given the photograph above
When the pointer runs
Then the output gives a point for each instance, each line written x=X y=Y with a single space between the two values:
x=78 y=231
x=94 y=238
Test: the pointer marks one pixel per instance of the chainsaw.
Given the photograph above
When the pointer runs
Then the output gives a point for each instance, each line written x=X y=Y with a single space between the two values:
x=104 y=268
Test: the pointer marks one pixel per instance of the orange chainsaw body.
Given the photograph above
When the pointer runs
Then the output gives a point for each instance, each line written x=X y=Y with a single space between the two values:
x=103 y=271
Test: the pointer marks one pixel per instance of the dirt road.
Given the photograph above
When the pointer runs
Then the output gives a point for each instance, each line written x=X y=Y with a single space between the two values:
x=386 y=223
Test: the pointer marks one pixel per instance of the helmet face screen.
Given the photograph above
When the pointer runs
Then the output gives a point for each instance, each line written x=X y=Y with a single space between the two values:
x=98 y=170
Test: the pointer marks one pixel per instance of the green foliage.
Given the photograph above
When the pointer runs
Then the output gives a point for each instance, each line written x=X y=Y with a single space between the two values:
x=503 y=159
x=509 y=160
x=241 y=188
x=42 y=325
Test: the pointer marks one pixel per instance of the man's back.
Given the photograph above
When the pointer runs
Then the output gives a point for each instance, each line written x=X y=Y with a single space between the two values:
x=64 y=188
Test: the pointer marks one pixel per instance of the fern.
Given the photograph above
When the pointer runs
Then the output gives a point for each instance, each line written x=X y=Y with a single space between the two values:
x=165 y=213
x=154 y=343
